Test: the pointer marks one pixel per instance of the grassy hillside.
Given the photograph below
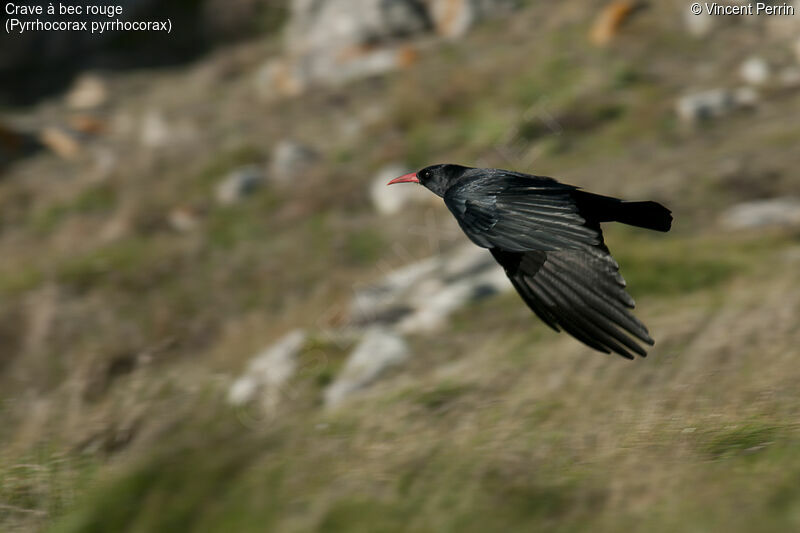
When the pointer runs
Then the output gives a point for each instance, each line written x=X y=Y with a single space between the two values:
x=121 y=335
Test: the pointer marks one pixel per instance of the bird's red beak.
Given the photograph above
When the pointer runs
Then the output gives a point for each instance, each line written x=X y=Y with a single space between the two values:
x=407 y=178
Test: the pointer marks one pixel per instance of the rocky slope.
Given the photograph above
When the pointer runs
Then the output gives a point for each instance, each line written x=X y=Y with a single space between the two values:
x=213 y=319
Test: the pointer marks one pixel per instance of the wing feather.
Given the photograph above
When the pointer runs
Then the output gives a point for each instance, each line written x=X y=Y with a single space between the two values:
x=581 y=292
x=519 y=214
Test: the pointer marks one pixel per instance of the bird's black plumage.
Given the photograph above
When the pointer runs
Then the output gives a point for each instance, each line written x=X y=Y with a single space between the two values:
x=547 y=237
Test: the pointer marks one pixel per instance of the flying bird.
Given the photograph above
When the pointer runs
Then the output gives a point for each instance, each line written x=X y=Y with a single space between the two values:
x=547 y=237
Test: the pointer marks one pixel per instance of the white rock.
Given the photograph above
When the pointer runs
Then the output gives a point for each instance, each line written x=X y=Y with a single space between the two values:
x=376 y=302
x=334 y=41
x=704 y=105
x=290 y=159
x=698 y=25
x=379 y=350
x=773 y=212
x=315 y=26
x=754 y=71
x=155 y=131
x=88 y=92
x=714 y=103
x=421 y=296
x=268 y=371
x=391 y=200
x=239 y=184
x=468 y=274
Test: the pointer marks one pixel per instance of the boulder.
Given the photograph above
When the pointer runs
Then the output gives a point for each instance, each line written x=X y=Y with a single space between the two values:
x=421 y=296
x=467 y=274
x=760 y=213
x=714 y=103
x=88 y=92
x=698 y=25
x=239 y=184
x=379 y=350
x=267 y=372
x=336 y=25
x=335 y=41
x=155 y=132
x=754 y=71
x=290 y=159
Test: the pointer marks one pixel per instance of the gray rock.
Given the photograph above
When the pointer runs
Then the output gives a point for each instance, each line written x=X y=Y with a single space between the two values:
x=239 y=184
x=88 y=92
x=714 y=103
x=155 y=131
x=759 y=213
x=382 y=301
x=379 y=350
x=267 y=372
x=467 y=274
x=335 y=41
x=704 y=105
x=60 y=141
x=421 y=296
x=338 y=40
x=335 y=25
x=290 y=159
x=391 y=200
x=754 y=71
x=698 y=25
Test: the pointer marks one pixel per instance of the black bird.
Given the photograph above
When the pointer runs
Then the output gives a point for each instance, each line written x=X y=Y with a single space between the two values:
x=547 y=237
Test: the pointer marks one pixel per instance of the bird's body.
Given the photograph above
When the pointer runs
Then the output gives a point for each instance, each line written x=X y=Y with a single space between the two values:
x=547 y=237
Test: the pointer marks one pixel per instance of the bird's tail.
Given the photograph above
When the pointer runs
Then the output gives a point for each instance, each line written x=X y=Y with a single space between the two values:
x=650 y=215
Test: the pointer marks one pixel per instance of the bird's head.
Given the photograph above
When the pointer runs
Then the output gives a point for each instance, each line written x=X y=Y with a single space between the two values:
x=436 y=178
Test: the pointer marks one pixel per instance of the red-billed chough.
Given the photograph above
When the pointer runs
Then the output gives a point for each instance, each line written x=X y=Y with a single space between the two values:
x=547 y=237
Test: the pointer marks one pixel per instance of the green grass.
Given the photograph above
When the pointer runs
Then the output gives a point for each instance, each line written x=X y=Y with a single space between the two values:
x=16 y=282
x=496 y=423
x=43 y=483
x=101 y=198
x=133 y=263
x=738 y=440
x=442 y=395
x=364 y=246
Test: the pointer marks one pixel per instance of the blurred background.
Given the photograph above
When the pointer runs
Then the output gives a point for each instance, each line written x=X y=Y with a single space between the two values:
x=214 y=316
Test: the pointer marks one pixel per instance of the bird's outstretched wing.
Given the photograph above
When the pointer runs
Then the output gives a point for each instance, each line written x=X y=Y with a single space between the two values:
x=581 y=292
x=517 y=213
x=553 y=255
